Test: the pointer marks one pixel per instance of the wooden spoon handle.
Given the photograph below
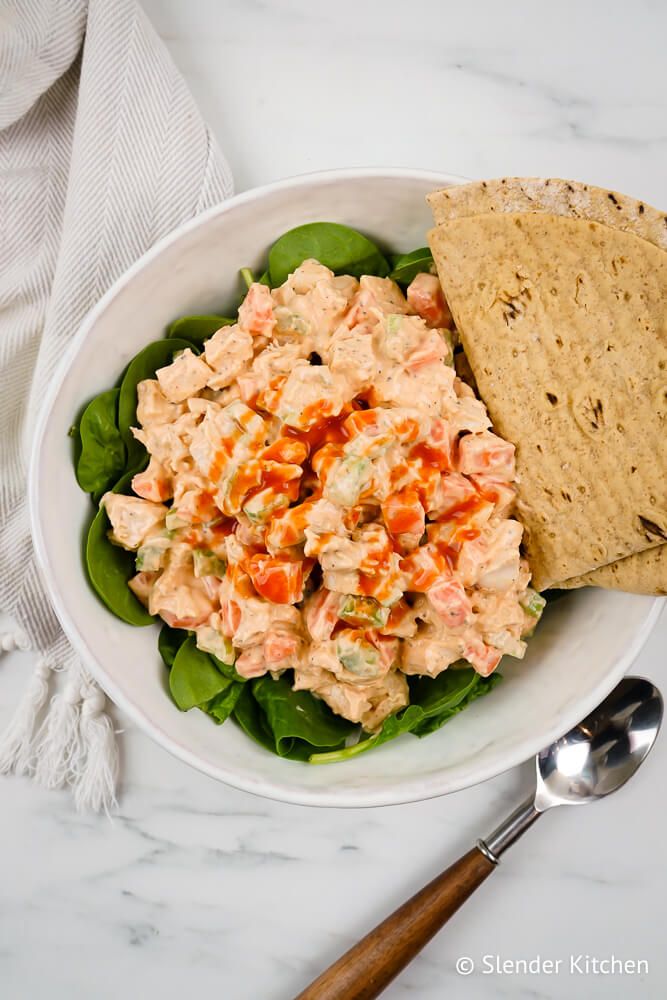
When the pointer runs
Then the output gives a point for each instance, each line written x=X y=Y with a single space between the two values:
x=367 y=968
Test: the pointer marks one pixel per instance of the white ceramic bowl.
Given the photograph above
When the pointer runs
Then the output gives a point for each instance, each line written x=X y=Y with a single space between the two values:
x=584 y=645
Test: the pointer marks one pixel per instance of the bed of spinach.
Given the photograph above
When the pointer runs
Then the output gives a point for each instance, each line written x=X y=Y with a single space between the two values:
x=433 y=702
x=293 y=724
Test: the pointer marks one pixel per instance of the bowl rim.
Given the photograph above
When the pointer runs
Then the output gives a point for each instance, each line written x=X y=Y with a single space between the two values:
x=436 y=784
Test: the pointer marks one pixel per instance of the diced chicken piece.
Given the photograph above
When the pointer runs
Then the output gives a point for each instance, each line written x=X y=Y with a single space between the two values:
x=132 y=518
x=256 y=311
x=225 y=438
x=313 y=302
x=376 y=297
x=501 y=494
x=180 y=598
x=303 y=280
x=492 y=560
x=251 y=662
x=351 y=355
x=153 y=407
x=169 y=443
x=486 y=454
x=154 y=483
x=227 y=353
x=402 y=621
x=310 y=395
x=199 y=406
x=142 y=585
x=429 y=654
x=184 y=377
x=467 y=413
x=368 y=704
x=428 y=387
x=342 y=581
x=425 y=296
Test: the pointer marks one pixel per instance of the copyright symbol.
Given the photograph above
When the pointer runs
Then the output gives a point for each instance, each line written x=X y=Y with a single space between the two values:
x=465 y=965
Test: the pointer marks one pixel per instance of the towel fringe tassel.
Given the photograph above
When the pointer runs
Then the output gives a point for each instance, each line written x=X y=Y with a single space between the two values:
x=17 y=742
x=74 y=745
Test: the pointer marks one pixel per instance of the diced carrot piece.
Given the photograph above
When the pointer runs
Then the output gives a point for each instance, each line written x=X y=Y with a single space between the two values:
x=486 y=454
x=403 y=513
x=451 y=602
x=278 y=580
x=483 y=658
x=286 y=450
x=279 y=646
x=425 y=296
x=256 y=311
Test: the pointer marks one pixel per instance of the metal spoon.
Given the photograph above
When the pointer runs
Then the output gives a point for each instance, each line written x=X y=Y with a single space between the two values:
x=592 y=760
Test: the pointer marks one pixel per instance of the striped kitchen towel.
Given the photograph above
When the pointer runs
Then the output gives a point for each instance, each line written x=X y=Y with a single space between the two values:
x=102 y=152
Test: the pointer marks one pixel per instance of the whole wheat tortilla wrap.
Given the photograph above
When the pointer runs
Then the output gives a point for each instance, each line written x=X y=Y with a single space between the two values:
x=563 y=322
x=643 y=572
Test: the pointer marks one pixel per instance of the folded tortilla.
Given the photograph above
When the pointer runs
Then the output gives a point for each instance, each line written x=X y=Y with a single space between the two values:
x=641 y=573
x=563 y=323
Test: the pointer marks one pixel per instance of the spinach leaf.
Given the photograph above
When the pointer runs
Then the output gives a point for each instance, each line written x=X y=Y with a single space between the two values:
x=342 y=249
x=478 y=690
x=110 y=567
x=432 y=703
x=102 y=457
x=144 y=365
x=408 y=265
x=197 y=329
x=290 y=723
x=265 y=280
x=222 y=706
x=193 y=678
x=228 y=670
x=169 y=642
x=249 y=716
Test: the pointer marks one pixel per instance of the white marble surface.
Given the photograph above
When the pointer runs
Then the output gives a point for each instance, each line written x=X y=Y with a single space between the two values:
x=195 y=887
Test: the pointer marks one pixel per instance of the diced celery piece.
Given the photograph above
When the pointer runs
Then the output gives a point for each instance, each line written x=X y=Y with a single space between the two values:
x=173 y=520
x=533 y=603
x=358 y=657
x=393 y=323
x=211 y=641
x=350 y=477
x=206 y=563
x=264 y=504
x=364 y=612
x=149 y=559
